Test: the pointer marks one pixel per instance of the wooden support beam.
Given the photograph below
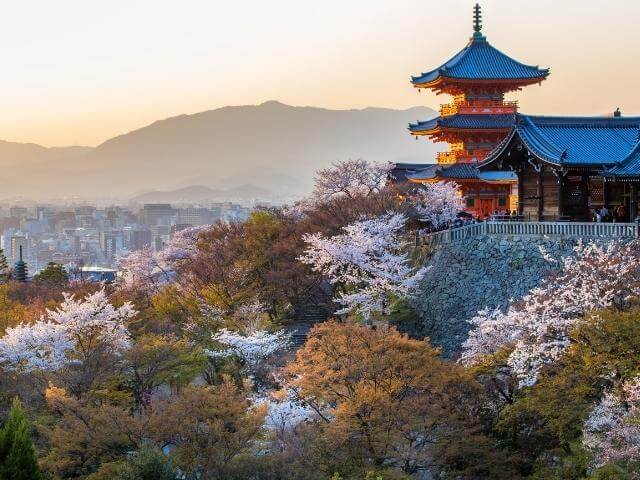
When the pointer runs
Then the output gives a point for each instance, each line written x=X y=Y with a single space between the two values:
x=540 y=193
x=633 y=202
x=520 y=191
x=561 y=194
x=584 y=187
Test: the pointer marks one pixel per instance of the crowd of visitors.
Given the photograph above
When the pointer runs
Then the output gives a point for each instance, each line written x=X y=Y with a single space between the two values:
x=616 y=214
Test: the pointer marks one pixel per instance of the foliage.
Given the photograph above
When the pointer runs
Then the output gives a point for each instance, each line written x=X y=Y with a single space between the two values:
x=367 y=263
x=383 y=399
x=543 y=424
x=147 y=269
x=53 y=274
x=147 y=463
x=612 y=431
x=208 y=428
x=238 y=263
x=536 y=328
x=253 y=348
x=18 y=460
x=351 y=178
x=68 y=334
x=156 y=360
x=437 y=203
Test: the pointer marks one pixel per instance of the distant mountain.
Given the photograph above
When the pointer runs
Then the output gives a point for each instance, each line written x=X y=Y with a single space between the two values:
x=202 y=194
x=273 y=146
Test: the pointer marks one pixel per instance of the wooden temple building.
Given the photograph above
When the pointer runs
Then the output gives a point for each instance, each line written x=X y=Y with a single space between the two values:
x=477 y=119
x=544 y=168
x=569 y=168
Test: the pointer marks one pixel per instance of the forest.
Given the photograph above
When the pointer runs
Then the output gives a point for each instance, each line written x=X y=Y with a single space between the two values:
x=184 y=368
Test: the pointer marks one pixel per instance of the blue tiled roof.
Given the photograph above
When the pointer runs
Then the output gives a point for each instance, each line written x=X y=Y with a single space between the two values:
x=481 y=61
x=462 y=121
x=403 y=171
x=460 y=171
x=629 y=167
x=498 y=175
x=574 y=141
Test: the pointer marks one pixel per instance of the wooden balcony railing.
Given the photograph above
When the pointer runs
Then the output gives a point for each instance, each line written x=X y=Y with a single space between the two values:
x=446 y=157
x=478 y=107
x=463 y=156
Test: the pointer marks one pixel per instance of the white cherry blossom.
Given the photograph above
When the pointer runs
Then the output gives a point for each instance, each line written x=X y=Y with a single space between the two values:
x=537 y=327
x=67 y=334
x=368 y=263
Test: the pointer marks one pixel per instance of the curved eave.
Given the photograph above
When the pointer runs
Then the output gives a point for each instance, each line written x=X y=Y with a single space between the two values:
x=629 y=168
x=499 y=182
x=443 y=80
x=423 y=180
x=527 y=142
x=441 y=129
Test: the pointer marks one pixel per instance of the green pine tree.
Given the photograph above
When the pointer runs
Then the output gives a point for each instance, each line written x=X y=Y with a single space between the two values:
x=53 y=274
x=18 y=460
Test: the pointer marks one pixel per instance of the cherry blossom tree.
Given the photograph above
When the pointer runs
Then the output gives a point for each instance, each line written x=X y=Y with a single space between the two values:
x=437 y=203
x=368 y=263
x=252 y=348
x=148 y=269
x=67 y=335
x=182 y=246
x=284 y=410
x=350 y=178
x=537 y=328
x=612 y=431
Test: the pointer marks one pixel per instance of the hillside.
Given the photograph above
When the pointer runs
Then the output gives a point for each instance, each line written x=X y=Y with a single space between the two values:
x=273 y=146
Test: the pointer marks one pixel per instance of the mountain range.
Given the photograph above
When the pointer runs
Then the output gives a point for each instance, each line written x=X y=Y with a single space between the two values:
x=266 y=152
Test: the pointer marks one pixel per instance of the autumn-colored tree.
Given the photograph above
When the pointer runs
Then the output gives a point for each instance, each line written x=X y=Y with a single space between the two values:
x=147 y=463
x=87 y=433
x=383 y=398
x=208 y=428
x=156 y=360
x=239 y=262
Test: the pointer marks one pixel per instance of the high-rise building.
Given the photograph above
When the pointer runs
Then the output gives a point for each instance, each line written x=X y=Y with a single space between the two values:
x=19 y=212
x=196 y=216
x=157 y=214
x=139 y=239
x=109 y=244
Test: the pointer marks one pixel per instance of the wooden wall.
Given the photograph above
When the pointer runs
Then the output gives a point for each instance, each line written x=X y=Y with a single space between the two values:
x=540 y=193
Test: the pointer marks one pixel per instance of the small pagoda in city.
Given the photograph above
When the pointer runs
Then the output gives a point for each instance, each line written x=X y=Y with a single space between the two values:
x=475 y=122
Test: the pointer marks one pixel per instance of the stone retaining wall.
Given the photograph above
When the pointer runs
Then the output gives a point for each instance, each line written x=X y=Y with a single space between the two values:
x=468 y=275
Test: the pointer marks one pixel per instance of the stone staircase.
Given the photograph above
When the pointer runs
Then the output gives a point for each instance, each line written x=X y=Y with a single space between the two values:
x=303 y=320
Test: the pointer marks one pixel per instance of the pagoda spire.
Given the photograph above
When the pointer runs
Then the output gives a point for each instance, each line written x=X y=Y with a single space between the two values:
x=477 y=21
x=20 y=271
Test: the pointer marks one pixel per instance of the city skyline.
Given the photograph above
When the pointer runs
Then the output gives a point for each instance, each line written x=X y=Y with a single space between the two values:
x=77 y=73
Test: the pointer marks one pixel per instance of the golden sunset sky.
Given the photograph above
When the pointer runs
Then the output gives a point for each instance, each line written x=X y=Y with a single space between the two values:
x=82 y=71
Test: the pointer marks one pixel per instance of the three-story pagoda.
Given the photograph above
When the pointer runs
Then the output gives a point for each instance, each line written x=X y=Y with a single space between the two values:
x=478 y=118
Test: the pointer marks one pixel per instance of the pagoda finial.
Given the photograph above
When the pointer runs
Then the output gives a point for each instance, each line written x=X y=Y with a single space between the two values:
x=477 y=21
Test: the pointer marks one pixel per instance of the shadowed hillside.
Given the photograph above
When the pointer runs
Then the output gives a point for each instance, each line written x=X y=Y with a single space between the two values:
x=273 y=146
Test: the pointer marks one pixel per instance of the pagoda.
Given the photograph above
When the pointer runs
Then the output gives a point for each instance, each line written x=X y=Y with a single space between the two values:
x=477 y=119
x=21 y=271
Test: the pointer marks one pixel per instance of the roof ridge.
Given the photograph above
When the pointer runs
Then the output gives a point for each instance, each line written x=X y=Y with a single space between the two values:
x=487 y=43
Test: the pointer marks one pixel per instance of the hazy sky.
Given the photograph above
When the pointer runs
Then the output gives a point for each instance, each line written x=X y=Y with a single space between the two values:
x=81 y=71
